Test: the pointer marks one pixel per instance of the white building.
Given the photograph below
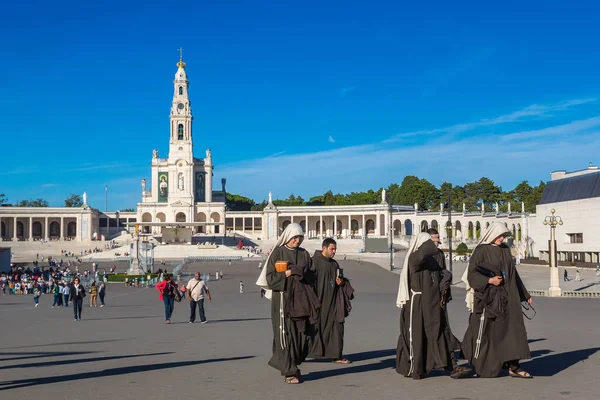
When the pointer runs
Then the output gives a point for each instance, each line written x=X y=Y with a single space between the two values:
x=575 y=197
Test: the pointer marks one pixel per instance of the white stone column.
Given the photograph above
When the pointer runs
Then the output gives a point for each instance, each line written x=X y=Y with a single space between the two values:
x=31 y=229
x=208 y=184
x=320 y=225
x=349 y=230
x=378 y=224
x=335 y=231
x=364 y=228
x=306 y=226
x=292 y=219
x=243 y=224
x=14 y=229
x=387 y=223
x=62 y=228
x=46 y=235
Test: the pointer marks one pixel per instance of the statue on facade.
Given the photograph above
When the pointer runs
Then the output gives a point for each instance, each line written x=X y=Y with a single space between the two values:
x=143 y=185
x=208 y=156
x=497 y=207
x=270 y=198
x=155 y=153
x=509 y=207
x=464 y=208
x=383 y=196
x=84 y=198
x=441 y=207
x=180 y=181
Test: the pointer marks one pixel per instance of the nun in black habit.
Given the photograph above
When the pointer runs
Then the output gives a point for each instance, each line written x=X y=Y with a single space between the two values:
x=496 y=338
x=293 y=302
x=423 y=344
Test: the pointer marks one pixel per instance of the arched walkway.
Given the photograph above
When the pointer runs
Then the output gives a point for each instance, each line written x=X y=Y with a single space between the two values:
x=303 y=225
x=20 y=230
x=146 y=217
x=434 y=225
x=54 y=229
x=470 y=230
x=370 y=227
x=408 y=228
x=201 y=217
x=339 y=227
x=37 y=229
x=397 y=227
x=354 y=227
x=72 y=229
x=285 y=224
x=424 y=226
x=477 y=230
x=161 y=217
x=180 y=217
x=215 y=217
x=3 y=231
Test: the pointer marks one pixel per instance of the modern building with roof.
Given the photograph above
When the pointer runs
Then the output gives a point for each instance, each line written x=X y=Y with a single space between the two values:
x=575 y=198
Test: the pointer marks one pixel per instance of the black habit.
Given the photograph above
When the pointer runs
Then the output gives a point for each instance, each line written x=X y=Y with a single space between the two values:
x=329 y=331
x=288 y=355
x=503 y=335
x=431 y=344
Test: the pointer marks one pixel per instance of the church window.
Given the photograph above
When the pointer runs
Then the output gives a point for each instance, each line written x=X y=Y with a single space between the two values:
x=180 y=132
x=180 y=90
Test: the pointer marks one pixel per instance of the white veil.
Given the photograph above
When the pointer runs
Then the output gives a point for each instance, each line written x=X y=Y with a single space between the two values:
x=403 y=289
x=291 y=231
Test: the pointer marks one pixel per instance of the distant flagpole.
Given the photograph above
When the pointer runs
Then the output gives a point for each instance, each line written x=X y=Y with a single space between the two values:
x=105 y=198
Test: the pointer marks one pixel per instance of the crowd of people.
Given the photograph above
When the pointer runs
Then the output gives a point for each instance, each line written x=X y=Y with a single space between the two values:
x=57 y=280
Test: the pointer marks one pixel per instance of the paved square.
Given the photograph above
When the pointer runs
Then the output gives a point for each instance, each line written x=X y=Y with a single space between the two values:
x=126 y=351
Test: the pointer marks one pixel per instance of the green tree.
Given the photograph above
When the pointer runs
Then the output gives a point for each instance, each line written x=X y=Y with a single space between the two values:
x=128 y=210
x=73 y=200
x=3 y=199
x=32 y=203
x=235 y=202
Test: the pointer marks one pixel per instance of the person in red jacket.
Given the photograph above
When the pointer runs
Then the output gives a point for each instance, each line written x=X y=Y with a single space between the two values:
x=167 y=295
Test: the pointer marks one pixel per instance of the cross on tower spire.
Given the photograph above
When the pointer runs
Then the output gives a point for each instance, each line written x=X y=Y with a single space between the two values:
x=180 y=53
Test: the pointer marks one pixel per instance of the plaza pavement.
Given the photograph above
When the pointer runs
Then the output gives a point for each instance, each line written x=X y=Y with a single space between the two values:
x=126 y=351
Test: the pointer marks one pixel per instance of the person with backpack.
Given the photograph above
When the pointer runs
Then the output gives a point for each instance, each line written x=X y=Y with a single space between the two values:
x=167 y=289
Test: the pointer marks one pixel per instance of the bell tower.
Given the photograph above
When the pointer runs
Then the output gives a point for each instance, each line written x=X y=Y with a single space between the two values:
x=180 y=144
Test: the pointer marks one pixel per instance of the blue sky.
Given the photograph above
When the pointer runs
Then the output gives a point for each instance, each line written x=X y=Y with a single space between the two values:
x=296 y=97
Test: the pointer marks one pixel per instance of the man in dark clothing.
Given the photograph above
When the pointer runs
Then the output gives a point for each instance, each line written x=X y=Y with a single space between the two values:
x=328 y=340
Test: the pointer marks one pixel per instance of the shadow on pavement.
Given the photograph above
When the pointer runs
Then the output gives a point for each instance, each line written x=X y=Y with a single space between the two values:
x=15 y=384
x=535 y=340
x=64 y=344
x=366 y=355
x=553 y=364
x=136 y=317
x=355 y=369
x=78 y=361
x=40 y=354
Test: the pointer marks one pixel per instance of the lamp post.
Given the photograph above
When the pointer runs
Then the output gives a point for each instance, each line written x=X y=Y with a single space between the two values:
x=449 y=231
x=117 y=214
x=553 y=220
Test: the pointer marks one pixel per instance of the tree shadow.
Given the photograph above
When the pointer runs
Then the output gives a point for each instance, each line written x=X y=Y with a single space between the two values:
x=355 y=369
x=535 y=340
x=15 y=384
x=40 y=354
x=136 y=317
x=214 y=321
x=79 y=361
x=355 y=357
x=555 y=363
x=64 y=344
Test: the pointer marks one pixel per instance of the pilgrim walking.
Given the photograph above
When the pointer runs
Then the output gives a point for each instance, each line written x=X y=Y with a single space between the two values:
x=76 y=297
x=426 y=341
x=294 y=304
x=335 y=293
x=496 y=338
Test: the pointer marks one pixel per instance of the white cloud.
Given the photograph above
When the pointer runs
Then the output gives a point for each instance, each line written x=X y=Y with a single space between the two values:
x=331 y=139
x=527 y=113
x=49 y=185
x=369 y=166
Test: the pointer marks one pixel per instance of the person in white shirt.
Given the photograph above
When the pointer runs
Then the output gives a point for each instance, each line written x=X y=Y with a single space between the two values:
x=66 y=291
x=197 y=290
